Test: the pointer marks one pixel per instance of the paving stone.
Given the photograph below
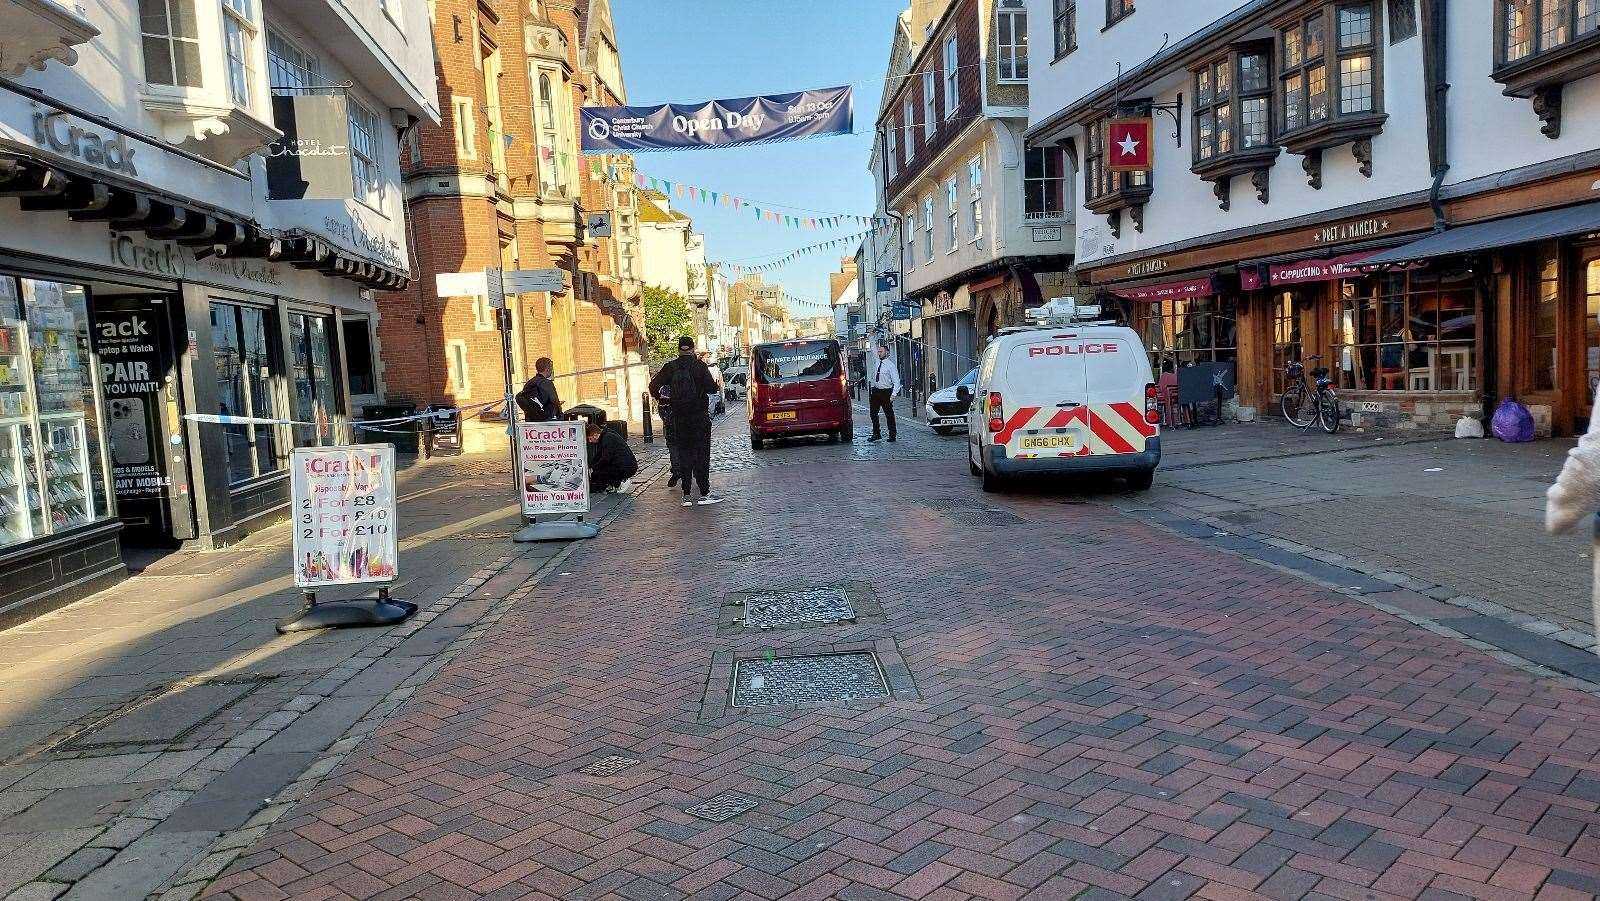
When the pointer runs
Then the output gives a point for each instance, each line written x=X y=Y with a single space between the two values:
x=167 y=717
x=142 y=867
x=232 y=797
x=320 y=726
x=80 y=864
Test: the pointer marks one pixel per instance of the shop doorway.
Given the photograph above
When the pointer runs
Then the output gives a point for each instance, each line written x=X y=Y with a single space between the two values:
x=1589 y=288
x=134 y=340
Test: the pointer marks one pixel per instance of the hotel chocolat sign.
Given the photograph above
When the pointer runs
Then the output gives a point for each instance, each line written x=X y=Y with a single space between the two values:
x=312 y=159
x=1356 y=230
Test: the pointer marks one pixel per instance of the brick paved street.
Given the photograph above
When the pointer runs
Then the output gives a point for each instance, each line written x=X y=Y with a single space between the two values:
x=1082 y=705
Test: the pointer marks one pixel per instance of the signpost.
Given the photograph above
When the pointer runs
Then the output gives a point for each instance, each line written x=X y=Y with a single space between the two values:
x=345 y=533
x=495 y=285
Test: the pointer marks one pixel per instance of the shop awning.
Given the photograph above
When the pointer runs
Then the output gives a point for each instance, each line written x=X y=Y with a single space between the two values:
x=1179 y=290
x=1508 y=232
x=1314 y=269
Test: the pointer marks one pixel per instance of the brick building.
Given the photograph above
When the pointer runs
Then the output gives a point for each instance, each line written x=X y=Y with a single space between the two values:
x=501 y=182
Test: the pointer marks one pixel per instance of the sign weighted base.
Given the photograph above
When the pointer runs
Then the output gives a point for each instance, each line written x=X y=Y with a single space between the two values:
x=559 y=530
x=379 y=611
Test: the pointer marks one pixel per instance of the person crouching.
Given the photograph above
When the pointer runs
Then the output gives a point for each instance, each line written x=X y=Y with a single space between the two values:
x=612 y=464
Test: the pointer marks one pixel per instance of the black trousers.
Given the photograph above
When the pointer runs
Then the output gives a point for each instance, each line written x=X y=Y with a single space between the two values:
x=881 y=399
x=690 y=445
x=668 y=432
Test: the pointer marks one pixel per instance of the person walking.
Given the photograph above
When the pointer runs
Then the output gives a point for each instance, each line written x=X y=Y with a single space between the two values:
x=687 y=382
x=538 y=399
x=883 y=383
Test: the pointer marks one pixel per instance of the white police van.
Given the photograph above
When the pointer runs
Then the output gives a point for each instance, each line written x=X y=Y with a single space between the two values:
x=1064 y=394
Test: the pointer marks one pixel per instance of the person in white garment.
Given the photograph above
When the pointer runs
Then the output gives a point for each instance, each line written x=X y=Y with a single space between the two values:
x=883 y=382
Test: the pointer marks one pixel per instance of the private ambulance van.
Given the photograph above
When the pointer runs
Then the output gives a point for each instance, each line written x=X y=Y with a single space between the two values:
x=1064 y=395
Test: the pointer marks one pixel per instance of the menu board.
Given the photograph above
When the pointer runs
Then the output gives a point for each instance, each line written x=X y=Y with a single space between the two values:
x=555 y=467
x=345 y=530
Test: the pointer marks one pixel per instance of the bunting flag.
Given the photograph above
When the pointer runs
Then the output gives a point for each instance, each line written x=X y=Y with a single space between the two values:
x=763 y=214
x=845 y=242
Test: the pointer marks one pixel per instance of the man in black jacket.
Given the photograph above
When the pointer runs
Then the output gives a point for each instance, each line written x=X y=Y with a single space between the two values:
x=611 y=461
x=685 y=382
x=538 y=399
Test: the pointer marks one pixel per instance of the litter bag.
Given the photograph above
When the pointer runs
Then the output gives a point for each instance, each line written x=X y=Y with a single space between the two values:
x=1512 y=422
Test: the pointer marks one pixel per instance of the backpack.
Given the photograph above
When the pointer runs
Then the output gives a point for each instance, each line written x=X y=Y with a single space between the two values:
x=684 y=386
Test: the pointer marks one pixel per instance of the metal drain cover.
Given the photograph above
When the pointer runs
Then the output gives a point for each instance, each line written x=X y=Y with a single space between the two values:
x=722 y=808
x=807 y=606
x=608 y=766
x=822 y=679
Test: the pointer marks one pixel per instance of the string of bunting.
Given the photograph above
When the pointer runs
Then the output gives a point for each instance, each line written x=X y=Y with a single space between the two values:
x=762 y=213
x=846 y=241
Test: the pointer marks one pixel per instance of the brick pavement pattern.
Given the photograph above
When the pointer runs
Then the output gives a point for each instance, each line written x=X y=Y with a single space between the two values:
x=1102 y=710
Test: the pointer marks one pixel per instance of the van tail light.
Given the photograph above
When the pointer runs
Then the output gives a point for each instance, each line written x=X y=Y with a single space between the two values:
x=1152 y=410
x=997 y=416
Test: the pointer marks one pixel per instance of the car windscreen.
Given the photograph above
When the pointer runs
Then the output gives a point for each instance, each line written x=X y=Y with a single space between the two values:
x=969 y=379
x=796 y=361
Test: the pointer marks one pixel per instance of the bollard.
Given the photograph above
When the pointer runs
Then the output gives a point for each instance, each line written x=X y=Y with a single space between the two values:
x=649 y=426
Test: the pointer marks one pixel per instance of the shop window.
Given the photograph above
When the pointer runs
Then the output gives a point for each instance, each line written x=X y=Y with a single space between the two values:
x=171 y=40
x=1287 y=339
x=364 y=171
x=1181 y=332
x=239 y=341
x=1011 y=42
x=1407 y=331
x=1117 y=10
x=52 y=457
x=1044 y=180
x=1591 y=326
x=238 y=35
x=315 y=396
x=359 y=357
x=1547 y=306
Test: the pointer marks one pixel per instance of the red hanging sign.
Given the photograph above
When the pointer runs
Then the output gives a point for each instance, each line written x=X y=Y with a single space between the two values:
x=1129 y=147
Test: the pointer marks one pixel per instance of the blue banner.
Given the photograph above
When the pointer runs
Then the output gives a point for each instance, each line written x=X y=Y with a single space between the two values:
x=717 y=123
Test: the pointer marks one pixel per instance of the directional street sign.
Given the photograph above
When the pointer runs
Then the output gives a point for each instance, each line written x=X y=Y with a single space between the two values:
x=497 y=290
x=461 y=284
x=522 y=281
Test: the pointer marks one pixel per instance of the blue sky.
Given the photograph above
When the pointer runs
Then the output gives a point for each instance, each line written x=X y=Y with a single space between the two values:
x=682 y=51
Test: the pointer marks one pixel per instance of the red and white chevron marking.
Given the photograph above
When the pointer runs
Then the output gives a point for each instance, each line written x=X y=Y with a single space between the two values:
x=1118 y=428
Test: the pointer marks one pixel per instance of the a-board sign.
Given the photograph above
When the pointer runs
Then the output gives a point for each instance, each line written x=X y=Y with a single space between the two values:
x=554 y=464
x=345 y=530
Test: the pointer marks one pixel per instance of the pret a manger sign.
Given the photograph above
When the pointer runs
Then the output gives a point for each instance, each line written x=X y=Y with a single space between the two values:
x=345 y=530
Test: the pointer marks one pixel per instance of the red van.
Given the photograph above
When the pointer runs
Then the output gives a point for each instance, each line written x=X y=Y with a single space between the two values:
x=798 y=388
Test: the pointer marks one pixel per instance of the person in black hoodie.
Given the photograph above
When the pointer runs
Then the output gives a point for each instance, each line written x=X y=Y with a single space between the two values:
x=611 y=461
x=538 y=399
x=685 y=383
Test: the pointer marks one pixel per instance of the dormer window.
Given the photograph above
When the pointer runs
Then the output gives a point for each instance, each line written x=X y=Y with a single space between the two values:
x=1329 y=87
x=1233 y=119
x=1540 y=46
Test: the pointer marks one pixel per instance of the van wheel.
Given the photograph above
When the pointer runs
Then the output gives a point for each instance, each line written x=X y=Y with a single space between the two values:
x=1141 y=479
x=991 y=481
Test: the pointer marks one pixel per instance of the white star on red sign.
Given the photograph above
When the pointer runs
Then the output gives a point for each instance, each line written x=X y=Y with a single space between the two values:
x=1129 y=146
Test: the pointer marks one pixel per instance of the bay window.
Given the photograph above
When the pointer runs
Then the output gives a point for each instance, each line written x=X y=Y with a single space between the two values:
x=170 y=37
x=1044 y=180
x=1011 y=42
x=1329 y=90
x=238 y=34
x=1233 y=118
x=1540 y=45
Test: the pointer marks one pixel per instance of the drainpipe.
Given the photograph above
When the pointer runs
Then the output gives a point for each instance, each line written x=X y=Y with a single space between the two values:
x=1435 y=22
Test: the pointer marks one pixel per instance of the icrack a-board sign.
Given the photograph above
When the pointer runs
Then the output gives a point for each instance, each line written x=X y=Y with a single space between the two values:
x=345 y=529
x=555 y=467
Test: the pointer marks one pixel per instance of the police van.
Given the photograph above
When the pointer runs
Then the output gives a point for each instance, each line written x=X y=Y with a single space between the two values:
x=1067 y=393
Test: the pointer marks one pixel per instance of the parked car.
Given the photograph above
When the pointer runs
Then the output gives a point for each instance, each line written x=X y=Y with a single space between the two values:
x=947 y=412
x=798 y=388
x=1064 y=396
x=735 y=382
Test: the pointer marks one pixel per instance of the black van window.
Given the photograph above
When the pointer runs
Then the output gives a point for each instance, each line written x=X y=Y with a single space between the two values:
x=797 y=361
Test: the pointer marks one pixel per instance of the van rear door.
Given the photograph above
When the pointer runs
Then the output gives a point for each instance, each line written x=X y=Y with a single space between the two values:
x=1115 y=370
x=1044 y=396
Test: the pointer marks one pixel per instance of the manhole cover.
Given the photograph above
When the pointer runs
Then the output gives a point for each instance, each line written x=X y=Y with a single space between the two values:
x=807 y=606
x=823 y=679
x=722 y=807
x=608 y=766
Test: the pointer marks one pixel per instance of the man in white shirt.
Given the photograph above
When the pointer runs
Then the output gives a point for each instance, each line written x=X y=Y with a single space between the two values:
x=883 y=382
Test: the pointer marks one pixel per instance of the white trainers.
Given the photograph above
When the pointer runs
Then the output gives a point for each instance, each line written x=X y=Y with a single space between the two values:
x=708 y=500
x=687 y=502
x=625 y=487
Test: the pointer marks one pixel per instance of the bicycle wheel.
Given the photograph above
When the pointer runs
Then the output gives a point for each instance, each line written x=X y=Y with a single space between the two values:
x=1297 y=407
x=1328 y=411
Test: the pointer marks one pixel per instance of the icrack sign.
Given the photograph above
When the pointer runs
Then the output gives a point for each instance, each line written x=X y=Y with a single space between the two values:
x=51 y=129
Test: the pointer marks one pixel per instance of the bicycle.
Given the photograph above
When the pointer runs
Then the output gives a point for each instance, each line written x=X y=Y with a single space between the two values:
x=1302 y=406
